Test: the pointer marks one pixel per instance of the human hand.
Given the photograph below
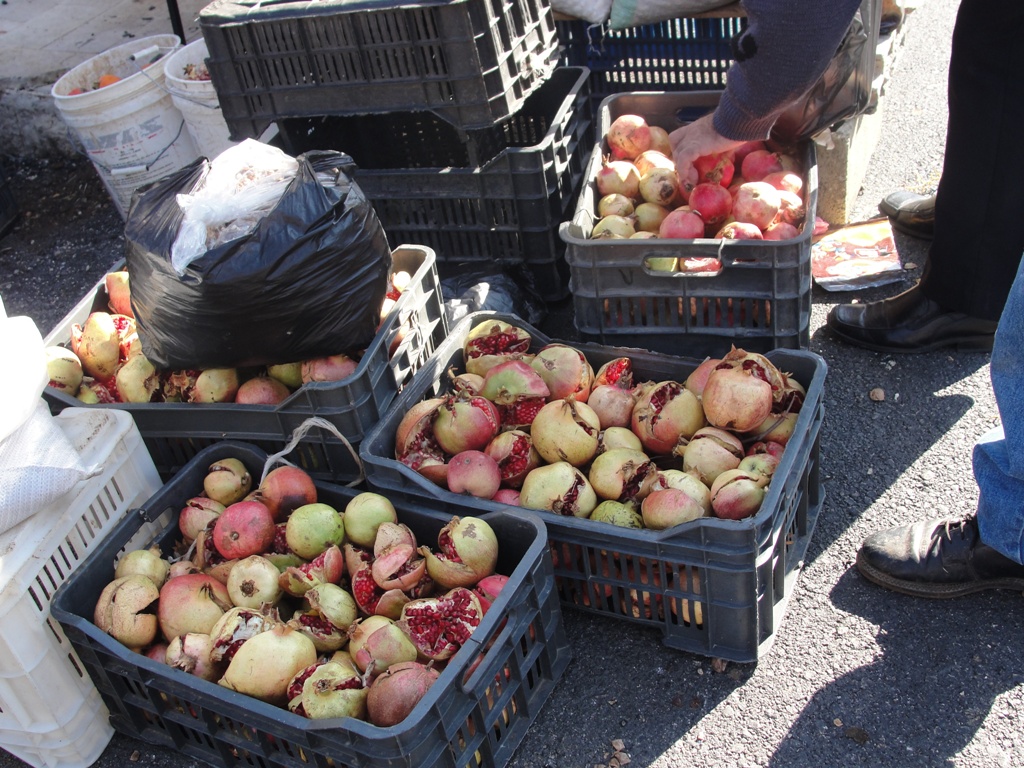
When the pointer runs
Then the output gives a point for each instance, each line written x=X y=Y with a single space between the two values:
x=694 y=140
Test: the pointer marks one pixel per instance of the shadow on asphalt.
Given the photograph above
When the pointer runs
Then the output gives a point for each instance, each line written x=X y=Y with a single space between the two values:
x=940 y=664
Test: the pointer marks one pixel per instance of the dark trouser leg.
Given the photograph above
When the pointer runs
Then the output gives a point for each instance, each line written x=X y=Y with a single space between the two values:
x=979 y=208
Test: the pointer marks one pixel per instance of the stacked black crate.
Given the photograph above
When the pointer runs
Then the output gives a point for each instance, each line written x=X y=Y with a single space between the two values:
x=468 y=137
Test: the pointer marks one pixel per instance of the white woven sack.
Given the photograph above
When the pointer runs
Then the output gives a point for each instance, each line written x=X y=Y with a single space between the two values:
x=38 y=465
x=631 y=13
x=594 y=11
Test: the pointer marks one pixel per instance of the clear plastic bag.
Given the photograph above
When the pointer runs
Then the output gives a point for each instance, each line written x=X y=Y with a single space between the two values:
x=242 y=185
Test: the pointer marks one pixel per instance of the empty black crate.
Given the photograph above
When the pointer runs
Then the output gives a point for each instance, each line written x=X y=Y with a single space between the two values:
x=489 y=197
x=473 y=62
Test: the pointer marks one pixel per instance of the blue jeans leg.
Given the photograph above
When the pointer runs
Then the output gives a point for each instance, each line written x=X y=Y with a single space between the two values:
x=999 y=463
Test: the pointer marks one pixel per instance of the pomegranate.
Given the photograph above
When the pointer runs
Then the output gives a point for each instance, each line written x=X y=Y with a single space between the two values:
x=215 y=385
x=284 y=489
x=289 y=374
x=737 y=494
x=776 y=427
x=565 y=370
x=488 y=589
x=326 y=568
x=515 y=455
x=614 y=204
x=739 y=153
x=253 y=582
x=785 y=181
x=467 y=551
x=508 y=496
x=663 y=414
x=735 y=400
x=565 y=430
x=330 y=368
x=756 y=203
x=780 y=230
x=415 y=444
x=266 y=663
x=439 y=626
x=759 y=163
x=390 y=535
x=178 y=386
x=618 y=437
x=791 y=209
x=628 y=136
x=613 y=227
x=712 y=202
x=613 y=404
x=365 y=589
x=97 y=345
x=651 y=159
x=617 y=513
x=710 y=452
x=699 y=376
x=513 y=381
x=196 y=515
x=313 y=528
x=397 y=567
x=666 y=507
x=191 y=603
x=648 y=217
x=191 y=653
x=660 y=140
x=123 y=611
x=681 y=224
x=618 y=177
x=242 y=529
x=492 y=342
x=327 y=689
x=394 y=694
x=716 y=169
x=326 y=636
x=560 y=488
x=262 y=390
x=474 y=473
x=466 y=382
x=118 y=288
x=618 y=474
x=334 y=603
x=63 y=370
x=237 y=625
x=618 y=370
x=144 y=562
x=739 y=230
x=364 y=515
x=377 y=642
x=681 y=481
x=465 y=422
x=659 y=186
x=763 y=463
x=227 y=481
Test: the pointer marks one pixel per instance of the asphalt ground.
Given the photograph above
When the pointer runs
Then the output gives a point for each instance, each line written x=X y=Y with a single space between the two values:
x=856 y=675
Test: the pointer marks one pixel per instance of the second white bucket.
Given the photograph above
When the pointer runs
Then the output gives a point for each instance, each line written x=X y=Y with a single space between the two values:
x=130 y=129
x=197 y=100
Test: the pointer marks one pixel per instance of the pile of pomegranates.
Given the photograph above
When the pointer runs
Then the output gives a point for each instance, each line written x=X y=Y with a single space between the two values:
x=104 y=362
x=749 y=193
x=327 y=612
x=543 y=429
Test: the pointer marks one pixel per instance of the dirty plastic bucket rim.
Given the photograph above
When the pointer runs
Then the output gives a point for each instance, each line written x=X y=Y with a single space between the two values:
x=132 y=81
x=199 y=92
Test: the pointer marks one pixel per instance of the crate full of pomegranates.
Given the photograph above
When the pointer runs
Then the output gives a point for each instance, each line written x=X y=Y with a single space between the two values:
x=678 y=493
x=277 y=617
x=95 y=358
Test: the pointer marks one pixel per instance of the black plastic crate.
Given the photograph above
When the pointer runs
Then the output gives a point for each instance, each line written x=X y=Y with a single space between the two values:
x=759 y=296
x=472 y=62
x=472 y=716
x=714 y=587
x=682 y=54
x=175 y=432
x=428 y=184
x=8 y=204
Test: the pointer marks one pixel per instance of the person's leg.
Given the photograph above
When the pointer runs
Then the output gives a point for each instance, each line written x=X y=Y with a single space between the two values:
x=979 y=231
x=949 y=558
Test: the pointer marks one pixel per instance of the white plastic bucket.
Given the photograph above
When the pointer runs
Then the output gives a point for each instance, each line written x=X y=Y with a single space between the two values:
x=130 y=130
x=197 y=101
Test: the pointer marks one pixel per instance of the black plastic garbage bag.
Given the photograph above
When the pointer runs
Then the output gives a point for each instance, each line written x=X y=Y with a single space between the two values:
x=308 y=281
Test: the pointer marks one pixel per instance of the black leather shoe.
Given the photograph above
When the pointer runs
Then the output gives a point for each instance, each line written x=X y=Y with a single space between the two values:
x=909 y=322
x=936 y=558
x=910 y=213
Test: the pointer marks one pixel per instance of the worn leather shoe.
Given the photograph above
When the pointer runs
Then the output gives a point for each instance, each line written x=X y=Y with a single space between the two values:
x=910 y=213
x=937 y=558
x=909 y=322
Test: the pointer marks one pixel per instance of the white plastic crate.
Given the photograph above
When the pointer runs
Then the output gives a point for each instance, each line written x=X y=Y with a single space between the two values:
x=50 y=711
